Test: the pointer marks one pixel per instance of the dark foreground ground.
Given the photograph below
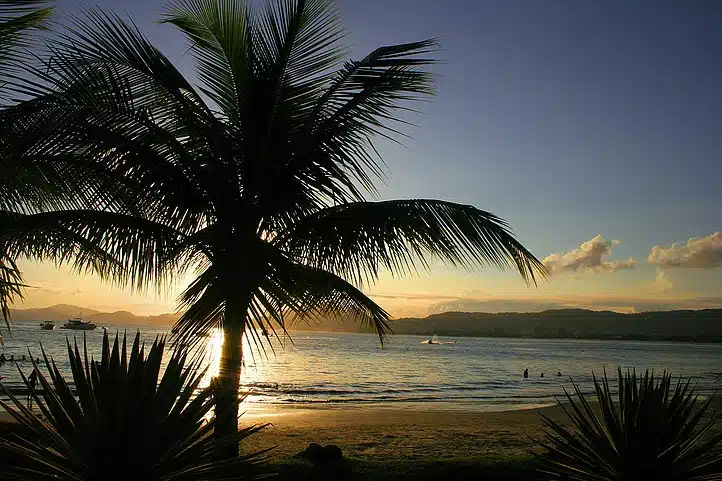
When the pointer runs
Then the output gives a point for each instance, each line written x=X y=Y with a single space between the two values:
x=393 y=470
x=402 y=444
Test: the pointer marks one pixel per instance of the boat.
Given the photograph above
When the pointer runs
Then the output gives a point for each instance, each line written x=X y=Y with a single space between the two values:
x=435 y=340
x=47 y=326
x=78 y=324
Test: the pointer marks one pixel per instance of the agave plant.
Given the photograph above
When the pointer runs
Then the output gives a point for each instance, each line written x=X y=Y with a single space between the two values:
x=649 y=430
x=124 y=420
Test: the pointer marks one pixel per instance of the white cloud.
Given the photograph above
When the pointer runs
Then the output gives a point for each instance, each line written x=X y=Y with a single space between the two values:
x=697 y=252
x=590 y=257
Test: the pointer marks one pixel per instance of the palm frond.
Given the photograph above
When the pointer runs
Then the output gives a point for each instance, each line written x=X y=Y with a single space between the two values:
x=364 y=100
x=650 y=430
x=304 y=293
x=118 y=247
x=220 y=34
x=110 y=106
x=203 y=305
x=356 y=240
x=11 y=286
x=124 y=407
x=333 y=151
x=19 y=21
x=287 y=291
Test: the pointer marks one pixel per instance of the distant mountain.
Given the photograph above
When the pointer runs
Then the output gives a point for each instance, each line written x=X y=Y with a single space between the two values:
x=692 y=325
x=62 y=312
x=687 y=325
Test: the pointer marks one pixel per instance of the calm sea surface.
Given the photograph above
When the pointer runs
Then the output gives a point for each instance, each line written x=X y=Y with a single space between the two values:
x=342 y=369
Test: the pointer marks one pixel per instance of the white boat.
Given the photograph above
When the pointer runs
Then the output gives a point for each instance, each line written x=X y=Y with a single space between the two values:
x=47 y=326
x=78 y=324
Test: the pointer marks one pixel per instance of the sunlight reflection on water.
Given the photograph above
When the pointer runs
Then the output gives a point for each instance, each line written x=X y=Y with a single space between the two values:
x=319 y=370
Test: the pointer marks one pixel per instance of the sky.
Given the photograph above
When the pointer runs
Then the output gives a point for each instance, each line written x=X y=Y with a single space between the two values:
x=592 y=127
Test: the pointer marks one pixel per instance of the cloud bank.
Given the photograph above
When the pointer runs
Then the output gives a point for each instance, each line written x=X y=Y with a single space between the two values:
x=619 y=303
x=590 y=257
x=696 y=253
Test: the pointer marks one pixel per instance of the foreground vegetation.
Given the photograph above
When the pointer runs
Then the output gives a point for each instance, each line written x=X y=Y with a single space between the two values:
x=652 y=428
x=123 y=419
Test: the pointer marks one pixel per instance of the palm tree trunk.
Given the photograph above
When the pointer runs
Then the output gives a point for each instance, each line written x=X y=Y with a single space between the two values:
x=229 y=376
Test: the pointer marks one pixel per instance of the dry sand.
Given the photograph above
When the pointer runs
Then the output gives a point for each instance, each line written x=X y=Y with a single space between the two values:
x=398 y=433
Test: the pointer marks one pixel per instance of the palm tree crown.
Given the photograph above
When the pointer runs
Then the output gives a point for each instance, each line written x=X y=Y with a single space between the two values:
x=258 y=179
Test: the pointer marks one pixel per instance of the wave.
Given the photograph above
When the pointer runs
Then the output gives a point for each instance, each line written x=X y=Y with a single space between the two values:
x=410 y=399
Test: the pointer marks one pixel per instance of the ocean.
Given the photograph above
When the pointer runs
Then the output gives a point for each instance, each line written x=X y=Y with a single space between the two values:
x=345 y=369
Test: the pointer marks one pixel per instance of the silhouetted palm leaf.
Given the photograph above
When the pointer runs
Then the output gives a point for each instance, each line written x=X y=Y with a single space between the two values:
x=11 y=286
x=261 y=192
x=650 y=430
x=18 y=19
x=125 y=420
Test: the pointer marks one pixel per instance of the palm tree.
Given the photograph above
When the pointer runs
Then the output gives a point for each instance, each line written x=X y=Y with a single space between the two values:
x=258 y=179
x=18 y=20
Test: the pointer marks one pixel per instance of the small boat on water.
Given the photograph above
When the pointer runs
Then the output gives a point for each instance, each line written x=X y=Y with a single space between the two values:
x=77 y=324
x=435 y=340
x=47 y=326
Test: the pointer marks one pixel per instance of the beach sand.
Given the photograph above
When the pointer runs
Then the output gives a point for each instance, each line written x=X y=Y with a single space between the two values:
x=398 y=433
x=394 y=433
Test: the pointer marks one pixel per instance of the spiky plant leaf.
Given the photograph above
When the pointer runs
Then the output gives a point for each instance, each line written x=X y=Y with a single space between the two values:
x=649 y=430
x=124 y=420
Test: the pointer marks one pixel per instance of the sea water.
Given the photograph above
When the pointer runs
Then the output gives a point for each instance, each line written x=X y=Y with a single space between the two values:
x=345 y=369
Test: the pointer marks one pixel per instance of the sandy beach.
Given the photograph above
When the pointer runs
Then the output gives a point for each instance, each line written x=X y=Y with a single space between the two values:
x=398 y=433
x=395 y=433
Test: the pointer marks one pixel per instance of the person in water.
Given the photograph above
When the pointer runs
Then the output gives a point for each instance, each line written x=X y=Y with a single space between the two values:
x=32 y=382
x=541 y=375
x=559 y=374
x=526 y=373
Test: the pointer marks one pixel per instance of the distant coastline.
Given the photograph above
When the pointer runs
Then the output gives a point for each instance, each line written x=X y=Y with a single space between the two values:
x=680 y=326
x=703 y=325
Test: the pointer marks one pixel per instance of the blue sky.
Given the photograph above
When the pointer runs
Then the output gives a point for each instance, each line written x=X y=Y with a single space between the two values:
x=569 y=119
